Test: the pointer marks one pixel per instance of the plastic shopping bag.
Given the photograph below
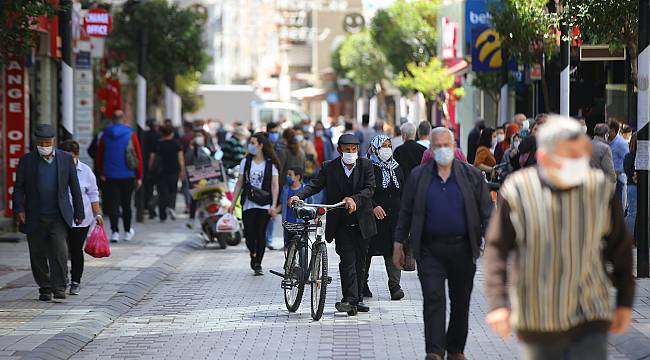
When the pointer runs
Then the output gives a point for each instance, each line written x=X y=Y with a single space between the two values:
x=97 y=243
x=227 y=223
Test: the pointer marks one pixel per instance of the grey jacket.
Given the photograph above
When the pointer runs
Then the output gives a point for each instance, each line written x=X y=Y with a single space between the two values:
x=25 y=196
x=476 y=196
x=601 y=157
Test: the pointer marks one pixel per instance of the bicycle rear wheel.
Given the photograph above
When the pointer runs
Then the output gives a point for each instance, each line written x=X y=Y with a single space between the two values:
x=319 y=281
x=294 y=278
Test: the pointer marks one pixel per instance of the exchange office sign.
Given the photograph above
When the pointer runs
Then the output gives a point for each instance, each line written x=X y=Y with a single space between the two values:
x=15 y=135
x=97 y=22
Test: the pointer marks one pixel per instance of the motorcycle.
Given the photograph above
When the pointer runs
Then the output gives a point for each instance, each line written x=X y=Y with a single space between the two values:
x=217 y=225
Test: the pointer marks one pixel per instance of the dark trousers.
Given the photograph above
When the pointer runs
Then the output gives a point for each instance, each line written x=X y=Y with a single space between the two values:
x=255 y=222
x=148 y=186
x=167 y=189
x=48 y=254
x=394 y=274
x=352 y=249
x=118 y=194
x=76 y=238
x=452 y=262
x=590 y=345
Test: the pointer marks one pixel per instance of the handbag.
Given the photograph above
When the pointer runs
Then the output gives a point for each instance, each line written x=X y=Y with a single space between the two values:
x=254 y=194
x=97 y=244
x=409 y=259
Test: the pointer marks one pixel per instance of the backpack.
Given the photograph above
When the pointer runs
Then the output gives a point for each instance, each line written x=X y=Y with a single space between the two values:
x=132 y=161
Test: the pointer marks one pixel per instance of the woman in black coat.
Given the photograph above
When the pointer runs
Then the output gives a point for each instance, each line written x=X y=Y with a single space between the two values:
x=386 y=203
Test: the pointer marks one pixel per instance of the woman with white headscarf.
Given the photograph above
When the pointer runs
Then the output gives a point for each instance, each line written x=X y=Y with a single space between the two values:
x=386 y=203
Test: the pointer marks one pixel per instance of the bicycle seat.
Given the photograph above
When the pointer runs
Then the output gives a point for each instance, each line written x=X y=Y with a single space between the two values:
x=305 y=213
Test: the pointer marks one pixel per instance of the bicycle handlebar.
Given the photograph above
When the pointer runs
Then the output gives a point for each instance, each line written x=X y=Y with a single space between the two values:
x=301 y=203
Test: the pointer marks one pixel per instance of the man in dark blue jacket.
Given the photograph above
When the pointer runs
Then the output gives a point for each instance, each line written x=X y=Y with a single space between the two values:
x=41 y=201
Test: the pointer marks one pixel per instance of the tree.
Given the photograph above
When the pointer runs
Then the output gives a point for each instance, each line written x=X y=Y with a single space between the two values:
x=173 y=40
x=187 y=88
x=17 y=22
x=429 y=79
x=527 y=32
x=490 y=83
x=362 y=62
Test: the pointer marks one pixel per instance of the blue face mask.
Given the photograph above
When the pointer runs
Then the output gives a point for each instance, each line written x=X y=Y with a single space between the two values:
x=289 y=179
x=252 y=149
x=300 y=138
x=274 y=136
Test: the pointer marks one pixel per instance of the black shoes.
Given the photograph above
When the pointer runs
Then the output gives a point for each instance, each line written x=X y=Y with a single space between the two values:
x=344 y=306
x=45 y=297
x=397 y=294
x=361 y=307
x=258 y=271
x=366 y=291
x=59 y=296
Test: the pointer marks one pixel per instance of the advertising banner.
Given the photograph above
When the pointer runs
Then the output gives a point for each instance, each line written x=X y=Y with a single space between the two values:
x=206 y=178
x=15 y=134
x=83 y=104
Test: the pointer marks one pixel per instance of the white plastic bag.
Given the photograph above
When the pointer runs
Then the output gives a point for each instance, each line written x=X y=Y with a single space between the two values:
x=227 y=223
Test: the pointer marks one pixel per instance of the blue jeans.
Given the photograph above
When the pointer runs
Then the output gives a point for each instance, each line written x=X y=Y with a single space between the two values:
x=621 y=190
x=588 y=346
x=269 y=233
x=630 y=216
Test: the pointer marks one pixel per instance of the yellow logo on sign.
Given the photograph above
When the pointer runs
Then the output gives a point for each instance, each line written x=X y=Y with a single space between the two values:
x=489 y=46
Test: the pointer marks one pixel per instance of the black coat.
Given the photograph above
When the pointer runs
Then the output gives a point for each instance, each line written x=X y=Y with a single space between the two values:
x=389 y=199
x=409 y=156
x=25 y=196
x=332 y=178
x=476 y=197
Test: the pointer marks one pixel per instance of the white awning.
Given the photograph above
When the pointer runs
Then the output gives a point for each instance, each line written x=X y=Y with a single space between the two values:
x=308 y=92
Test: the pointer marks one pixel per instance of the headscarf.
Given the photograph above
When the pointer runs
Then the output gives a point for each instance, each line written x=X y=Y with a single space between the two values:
x=387 y=168
x=510 y=131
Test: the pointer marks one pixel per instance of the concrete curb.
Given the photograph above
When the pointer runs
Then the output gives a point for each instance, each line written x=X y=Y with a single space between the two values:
x=70 y=341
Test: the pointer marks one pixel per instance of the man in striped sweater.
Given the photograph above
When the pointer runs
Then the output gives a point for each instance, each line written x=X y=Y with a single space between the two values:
x=563 y=223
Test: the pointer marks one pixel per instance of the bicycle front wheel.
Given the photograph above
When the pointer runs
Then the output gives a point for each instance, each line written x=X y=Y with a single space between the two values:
x=294 y=282
x=319 y=281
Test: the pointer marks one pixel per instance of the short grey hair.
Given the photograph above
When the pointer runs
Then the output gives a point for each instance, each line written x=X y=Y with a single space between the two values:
x=408 y=130
x=442 y=130
x=557 y=129
x=601 y=130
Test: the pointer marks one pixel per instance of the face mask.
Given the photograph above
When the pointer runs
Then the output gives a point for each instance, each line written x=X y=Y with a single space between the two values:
x=584 y=129
x=385 y=154
x=300 y=138
x=319 y=133
x=500 y=138
x=572 y=172
x=252 y=149
x=525 y=125
x=443 y=155
x=273 y=136
x=305 y=128
x=289 y=179
x=45 y=150
x=349 y=158
x=199 y=141
x=494 y=142
x=516 y=143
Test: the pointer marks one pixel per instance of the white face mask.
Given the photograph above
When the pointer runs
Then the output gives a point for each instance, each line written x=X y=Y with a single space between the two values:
x=45 y=150
x=349 y=158
x=525 y=125
x=501 y=137
x=443 y=155
x=572 y=172
x=494 y=142
x=516 y=143
x=385 y=154
x=199 y=141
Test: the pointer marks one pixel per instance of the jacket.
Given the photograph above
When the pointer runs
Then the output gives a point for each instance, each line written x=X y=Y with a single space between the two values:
x=601 y=158
x=476 y=196
x=332 y=178
x=389 y=199
x=25 y=195
x=233 y=152
x=111 y=153
x=409 y=155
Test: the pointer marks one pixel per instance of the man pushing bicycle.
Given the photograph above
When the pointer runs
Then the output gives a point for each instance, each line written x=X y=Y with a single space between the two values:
x=350 y=179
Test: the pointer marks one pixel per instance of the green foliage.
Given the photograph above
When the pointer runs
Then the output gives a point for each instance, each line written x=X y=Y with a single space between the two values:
x=335 y=59
x=187 y=88
x=429 y=79
x=361 y=61
x=173 y=38
x=406 y=32
x=490 y=82
x=17 y=17
x=607 y=22
x=526 y=29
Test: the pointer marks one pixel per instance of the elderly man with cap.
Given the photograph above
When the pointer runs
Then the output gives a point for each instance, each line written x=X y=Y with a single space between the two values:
x=41 y=202
x=350 y=179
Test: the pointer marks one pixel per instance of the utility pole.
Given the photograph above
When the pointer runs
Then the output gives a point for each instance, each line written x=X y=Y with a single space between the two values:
x=141 y=115
x=565 y=63
x=643 y=150
x=67 y=74
x=503 y=100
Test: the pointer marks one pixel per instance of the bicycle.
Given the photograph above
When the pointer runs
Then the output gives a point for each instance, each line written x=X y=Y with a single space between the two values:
x=297 y=272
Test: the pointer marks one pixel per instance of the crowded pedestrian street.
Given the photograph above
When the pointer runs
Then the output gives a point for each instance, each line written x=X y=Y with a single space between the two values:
x=165 y=296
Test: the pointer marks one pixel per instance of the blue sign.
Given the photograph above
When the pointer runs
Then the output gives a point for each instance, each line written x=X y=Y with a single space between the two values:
x=477 y=15
x=486 y=50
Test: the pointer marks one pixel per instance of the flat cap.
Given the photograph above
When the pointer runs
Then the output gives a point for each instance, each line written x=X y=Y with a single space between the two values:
x=44 y=131
x=349 y=139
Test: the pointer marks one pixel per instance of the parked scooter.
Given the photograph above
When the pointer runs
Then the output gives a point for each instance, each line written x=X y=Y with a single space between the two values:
x=217 y=225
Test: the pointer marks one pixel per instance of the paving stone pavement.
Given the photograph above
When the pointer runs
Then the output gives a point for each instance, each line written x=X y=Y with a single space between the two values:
x=208 y=305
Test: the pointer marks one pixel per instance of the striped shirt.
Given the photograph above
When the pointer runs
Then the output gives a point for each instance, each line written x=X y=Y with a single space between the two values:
x=560 y=239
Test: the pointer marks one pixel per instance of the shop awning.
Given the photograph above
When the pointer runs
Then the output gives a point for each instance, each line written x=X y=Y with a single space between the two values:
x=456 y=66
x=306 y=93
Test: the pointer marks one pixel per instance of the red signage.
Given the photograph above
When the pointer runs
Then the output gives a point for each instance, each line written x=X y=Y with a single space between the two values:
x=15 y=134
x=97 y=22
x=449 y=31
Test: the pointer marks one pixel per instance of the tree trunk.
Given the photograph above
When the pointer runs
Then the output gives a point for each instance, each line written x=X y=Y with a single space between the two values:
x=429 y=104
x=545 y=94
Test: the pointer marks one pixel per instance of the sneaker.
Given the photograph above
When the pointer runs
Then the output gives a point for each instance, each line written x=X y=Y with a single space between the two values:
x=115 y=237
x=128 y=236
x=171 y=213
x=74 y=288
x=258 y=271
